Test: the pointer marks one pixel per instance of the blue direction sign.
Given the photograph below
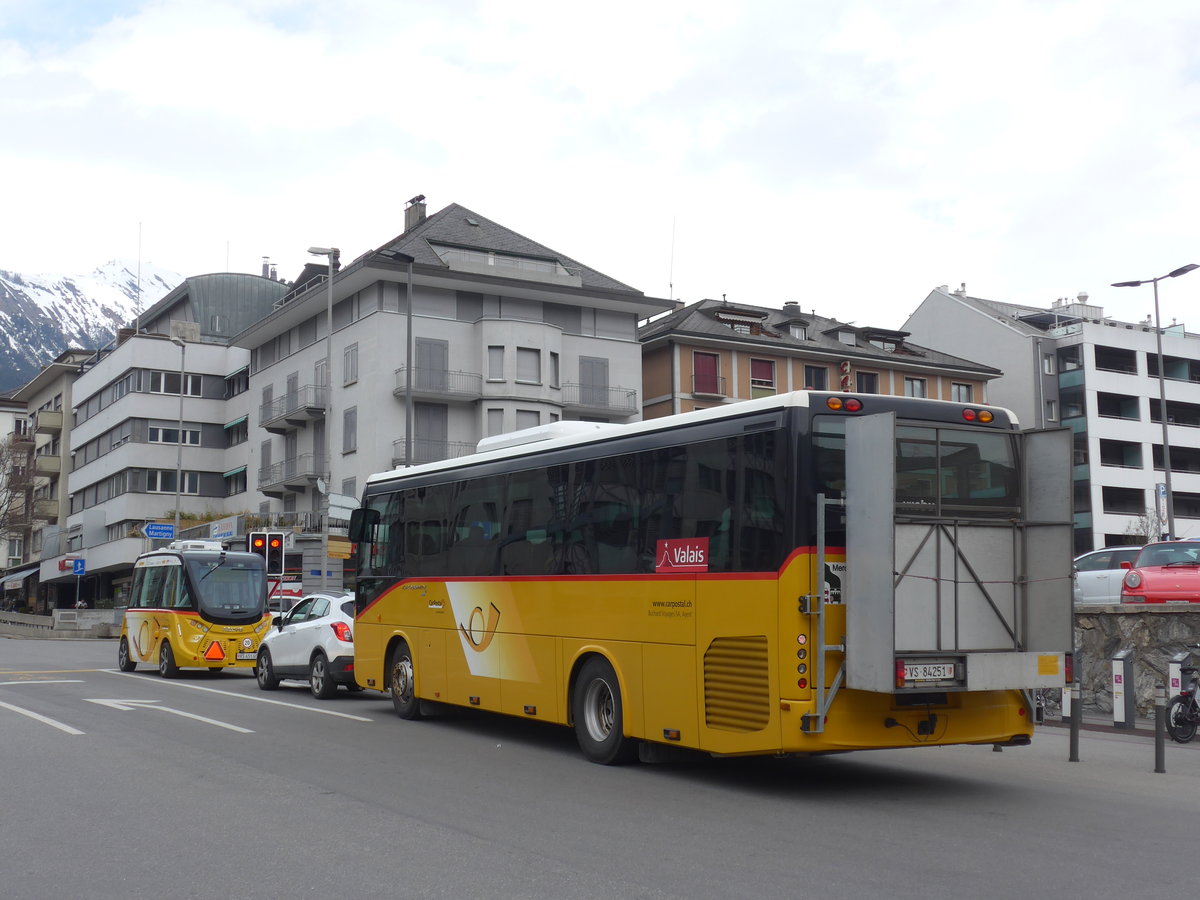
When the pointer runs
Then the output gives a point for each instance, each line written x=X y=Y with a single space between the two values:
x=79 y=567
x=159 y=531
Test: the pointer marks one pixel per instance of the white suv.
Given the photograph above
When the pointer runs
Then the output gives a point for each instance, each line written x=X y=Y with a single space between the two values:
x=312 y=641
x=1098 y=575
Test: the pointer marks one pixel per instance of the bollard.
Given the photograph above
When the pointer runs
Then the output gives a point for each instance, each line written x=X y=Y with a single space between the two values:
x=1124 y=712
x=1160 y=728
x=1076 y=715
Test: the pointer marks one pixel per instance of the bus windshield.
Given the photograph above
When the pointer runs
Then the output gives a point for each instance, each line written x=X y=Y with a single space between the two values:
x=228 y=586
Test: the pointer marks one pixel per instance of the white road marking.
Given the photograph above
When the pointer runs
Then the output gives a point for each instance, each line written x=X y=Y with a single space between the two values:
x=58 y=681
x=43 y=719
x=152 y=704
x=197 y=687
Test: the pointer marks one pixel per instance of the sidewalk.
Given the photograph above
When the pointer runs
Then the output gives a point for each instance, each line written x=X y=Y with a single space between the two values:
x=1095 y=719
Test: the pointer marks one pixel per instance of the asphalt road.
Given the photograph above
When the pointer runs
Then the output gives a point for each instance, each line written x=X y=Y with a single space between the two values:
x=124 y=786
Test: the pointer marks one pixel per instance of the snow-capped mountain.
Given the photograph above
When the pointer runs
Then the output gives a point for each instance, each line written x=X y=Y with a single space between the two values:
x=43 y=315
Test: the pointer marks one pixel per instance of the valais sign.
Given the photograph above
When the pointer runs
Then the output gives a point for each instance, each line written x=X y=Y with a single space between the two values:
x=681 y=555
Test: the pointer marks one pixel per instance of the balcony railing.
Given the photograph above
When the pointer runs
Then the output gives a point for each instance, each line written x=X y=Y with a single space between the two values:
x=296 y=473
x=21 y=436
x=45 y=510
x=45 y=464
x=709 y=386
x=48 y=421
x=425 y=450
x=589 y=397
x=439 y=384
x=294 y=408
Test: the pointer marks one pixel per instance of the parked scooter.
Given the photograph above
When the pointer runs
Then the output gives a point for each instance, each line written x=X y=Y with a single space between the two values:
x=1183 y=712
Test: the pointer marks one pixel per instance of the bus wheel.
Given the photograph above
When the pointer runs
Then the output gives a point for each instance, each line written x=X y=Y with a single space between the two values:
x=320 y=682
x=125 y=662
x=598 y=714
x=166 y=661
x=404 y=697
x=265 y=672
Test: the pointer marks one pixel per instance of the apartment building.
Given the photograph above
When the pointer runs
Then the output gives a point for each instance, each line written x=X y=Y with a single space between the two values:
x=38 y=470
x=713 y=352
x=456 y=329
x=1068 y=364
x=159 y=423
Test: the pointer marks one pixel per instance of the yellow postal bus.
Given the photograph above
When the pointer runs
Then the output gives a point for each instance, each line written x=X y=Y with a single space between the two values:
x=805 y=573
x=194 y=605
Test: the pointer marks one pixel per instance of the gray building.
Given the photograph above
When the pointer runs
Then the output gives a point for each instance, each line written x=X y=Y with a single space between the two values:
x=456 y=329
x=1069 y=364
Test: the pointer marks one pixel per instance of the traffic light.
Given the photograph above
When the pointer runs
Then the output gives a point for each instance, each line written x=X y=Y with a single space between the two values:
x=275 y=562
x=256 y=542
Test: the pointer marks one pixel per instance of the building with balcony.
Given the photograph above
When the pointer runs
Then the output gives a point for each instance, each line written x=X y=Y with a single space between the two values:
x=1070 y=365
x=456 y=329
x=160 y=422
x=713 y=352
x=40 y=442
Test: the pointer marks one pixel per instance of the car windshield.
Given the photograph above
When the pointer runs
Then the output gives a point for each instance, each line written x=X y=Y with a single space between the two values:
x=231 y=586
x=1174 y=554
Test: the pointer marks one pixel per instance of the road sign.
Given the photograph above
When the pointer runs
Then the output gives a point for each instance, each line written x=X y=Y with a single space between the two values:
x=341 y=505
x=159 y=531
x=78 y=567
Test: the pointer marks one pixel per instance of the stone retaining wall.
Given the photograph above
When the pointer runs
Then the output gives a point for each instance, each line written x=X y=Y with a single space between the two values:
x=1154 y=633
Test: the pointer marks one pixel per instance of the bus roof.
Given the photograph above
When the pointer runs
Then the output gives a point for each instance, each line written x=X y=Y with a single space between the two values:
x=547 y=437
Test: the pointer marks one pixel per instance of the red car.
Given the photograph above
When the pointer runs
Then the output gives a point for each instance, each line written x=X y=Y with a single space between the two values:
x=1167 y=572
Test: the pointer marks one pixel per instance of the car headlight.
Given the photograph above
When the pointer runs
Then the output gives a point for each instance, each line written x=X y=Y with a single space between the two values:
x=1133 y=579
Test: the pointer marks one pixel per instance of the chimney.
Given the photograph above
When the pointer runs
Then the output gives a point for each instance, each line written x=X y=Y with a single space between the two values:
x=792 y=307
x=962 y=290
x=274 y=274
x=414 y=213
x=266 y=266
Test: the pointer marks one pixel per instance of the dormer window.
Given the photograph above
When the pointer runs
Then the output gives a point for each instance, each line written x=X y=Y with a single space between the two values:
x=742 y=323
x=887 y=346
x=799 y=332
x=847 y=337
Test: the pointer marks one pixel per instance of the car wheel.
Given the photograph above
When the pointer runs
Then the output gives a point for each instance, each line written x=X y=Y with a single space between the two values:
x=125 y=662
x=319 y=680
x=264 y=672
x=401 y=682
x=166 y=661
x=599 y=714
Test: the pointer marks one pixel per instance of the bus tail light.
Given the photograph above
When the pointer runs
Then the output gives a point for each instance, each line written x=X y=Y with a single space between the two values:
x=342 y=630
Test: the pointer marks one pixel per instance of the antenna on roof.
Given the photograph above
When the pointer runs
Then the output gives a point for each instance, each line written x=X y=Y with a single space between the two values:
x=671 y=274
x=137 y=295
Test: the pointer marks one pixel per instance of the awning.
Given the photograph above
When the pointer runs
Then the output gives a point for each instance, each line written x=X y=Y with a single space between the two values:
x=236 y=471
x=15 y=578
x=236 y=422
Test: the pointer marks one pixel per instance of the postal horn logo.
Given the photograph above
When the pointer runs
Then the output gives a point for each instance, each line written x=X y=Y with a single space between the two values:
x=479 y=632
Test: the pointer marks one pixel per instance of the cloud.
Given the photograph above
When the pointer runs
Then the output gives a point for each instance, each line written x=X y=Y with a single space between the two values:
x=850 y=156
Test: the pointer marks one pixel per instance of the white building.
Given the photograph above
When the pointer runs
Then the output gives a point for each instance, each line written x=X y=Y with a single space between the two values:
x=130 y=459
x=1071 y=365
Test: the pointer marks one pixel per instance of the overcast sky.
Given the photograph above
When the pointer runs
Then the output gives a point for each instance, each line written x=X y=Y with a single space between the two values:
x=846 y=154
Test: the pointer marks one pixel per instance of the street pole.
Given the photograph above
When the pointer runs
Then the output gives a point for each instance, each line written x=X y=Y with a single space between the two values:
x=408 y=366
x=331 y=254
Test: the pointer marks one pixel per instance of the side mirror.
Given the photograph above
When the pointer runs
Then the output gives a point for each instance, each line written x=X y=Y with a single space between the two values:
x=279 y=622
x=362 y=525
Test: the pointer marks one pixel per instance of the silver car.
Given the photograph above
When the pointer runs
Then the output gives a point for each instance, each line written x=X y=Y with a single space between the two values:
x=1098 y=575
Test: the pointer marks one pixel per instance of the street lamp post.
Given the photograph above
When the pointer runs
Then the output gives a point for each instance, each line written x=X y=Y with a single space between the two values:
x=1162 y=388
x=398 y=256
x=331 y=254
x=179 y=342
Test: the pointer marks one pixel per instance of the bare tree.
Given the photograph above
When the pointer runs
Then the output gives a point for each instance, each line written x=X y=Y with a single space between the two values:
x=1151 y=525
x=11 y=486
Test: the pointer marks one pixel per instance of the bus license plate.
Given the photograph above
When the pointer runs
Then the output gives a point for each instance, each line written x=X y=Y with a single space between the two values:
x=928 y=671
x=247 y=656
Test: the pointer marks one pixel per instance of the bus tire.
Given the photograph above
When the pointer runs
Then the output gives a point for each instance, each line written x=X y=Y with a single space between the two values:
x=166 y=661
x=320 y=682
x=598 y=714
x=401 y=682
x=264 y=672
x=125 y=662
